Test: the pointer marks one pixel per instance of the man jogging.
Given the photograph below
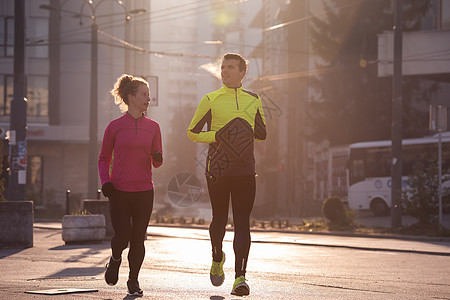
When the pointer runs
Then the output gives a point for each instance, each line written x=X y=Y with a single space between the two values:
x=234 y=118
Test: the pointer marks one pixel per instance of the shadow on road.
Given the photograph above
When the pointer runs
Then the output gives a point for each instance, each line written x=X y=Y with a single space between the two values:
x=76 y=272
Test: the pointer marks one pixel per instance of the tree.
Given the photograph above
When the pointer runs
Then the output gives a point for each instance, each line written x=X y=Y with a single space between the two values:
x=421 y=199
x=353 y=104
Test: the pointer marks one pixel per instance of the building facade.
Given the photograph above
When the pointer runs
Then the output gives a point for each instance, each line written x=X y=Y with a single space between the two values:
x=58 y=67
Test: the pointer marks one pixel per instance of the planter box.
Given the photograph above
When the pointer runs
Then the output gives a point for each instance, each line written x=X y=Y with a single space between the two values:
x=83 y=228
x=100 y=207
x=16 y=224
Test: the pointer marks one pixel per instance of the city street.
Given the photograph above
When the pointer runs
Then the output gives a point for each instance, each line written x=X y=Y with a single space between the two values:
x=281 y=266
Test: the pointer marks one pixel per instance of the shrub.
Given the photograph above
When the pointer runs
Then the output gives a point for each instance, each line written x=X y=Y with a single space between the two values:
x=421 y=199
x=333 y=210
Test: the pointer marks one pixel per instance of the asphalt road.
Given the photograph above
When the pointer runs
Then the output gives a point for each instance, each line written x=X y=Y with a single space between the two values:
x=281 y=266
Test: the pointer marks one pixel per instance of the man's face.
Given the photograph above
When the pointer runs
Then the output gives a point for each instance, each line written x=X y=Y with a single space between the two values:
x=231 y=76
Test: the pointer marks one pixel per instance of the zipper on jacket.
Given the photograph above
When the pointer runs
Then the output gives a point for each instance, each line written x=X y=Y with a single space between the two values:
x=135 y=125
x=235 y=95
x=208 y=163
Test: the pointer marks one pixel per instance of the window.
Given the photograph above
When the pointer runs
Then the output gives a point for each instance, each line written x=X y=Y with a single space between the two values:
x=37 y=31
x=34 y=179
x=356 y=171
x=437 y=16
x=445 y=14
x=430 y=20
x=6 y=36
x=7 y=92
x=37 y=95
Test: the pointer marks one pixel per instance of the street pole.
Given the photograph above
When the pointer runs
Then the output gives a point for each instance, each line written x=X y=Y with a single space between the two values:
x=396 y=168
x=440 y=168
x=18 y=117
x=93 y=142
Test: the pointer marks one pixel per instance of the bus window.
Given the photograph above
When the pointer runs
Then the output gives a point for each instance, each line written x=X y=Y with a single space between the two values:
x=356 y=170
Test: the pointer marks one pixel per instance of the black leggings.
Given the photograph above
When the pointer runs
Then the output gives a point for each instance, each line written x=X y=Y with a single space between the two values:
x=242 y=190
x=130 y=214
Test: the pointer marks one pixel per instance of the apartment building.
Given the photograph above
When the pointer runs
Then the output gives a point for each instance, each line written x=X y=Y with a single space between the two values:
x=58 y=62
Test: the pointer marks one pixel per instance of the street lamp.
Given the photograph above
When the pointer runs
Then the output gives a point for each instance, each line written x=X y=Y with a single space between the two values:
x=93 y=108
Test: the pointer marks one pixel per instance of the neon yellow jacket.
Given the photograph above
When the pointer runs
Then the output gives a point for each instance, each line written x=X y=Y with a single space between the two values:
x=234 y=119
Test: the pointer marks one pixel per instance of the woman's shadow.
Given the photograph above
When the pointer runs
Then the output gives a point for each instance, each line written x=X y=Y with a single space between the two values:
x=128 y=297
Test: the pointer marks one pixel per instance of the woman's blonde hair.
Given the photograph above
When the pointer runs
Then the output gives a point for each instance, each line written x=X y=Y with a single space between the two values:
x=124 y=86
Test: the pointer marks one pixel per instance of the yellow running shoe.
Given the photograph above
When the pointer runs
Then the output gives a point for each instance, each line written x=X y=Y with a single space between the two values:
x=216 y=274
x=240 y=288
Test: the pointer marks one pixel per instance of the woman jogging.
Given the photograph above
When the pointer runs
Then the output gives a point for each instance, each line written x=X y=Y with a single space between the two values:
x=133 y=143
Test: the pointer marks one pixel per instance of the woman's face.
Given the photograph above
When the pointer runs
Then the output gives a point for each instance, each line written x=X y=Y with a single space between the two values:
x=141 y=100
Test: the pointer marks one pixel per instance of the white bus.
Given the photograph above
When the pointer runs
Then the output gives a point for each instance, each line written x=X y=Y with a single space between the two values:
x=369 y=169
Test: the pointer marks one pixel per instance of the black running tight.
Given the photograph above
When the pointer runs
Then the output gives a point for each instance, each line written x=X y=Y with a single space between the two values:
x=130 y=214
x=242 y=190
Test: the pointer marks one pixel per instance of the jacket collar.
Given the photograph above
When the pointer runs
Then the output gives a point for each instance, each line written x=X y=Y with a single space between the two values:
x=132 y=118
x=226 y=89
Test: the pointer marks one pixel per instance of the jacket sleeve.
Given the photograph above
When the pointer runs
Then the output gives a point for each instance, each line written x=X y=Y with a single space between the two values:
x=201 y=117
x=104 y=160
x=157 y=148
x=260 y=123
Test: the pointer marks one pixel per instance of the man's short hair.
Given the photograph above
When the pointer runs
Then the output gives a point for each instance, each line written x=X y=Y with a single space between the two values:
x=243 y=63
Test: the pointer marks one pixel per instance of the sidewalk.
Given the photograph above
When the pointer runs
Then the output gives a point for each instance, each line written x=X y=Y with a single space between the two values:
x=412 y=244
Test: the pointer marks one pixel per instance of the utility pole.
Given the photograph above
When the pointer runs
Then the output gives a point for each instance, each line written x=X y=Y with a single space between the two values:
x=18 y=117
x=93 y=125
x=396 y=168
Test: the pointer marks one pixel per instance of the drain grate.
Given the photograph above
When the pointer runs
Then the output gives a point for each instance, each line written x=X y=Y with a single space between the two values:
x=61 y=291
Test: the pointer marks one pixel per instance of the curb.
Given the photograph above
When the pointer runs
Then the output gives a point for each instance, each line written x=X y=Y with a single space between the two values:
x=331 y=233
x=56 y=226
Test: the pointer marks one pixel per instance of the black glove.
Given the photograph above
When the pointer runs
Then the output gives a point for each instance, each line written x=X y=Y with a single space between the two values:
x=108 y=189
x=157 y=156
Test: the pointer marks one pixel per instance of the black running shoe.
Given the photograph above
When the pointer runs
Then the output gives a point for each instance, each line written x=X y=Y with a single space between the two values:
x=133 y=288
x=112 y=271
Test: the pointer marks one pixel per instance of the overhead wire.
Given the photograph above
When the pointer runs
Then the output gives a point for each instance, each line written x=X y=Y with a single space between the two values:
x=83 y=30
x=143 y=50
x=193 y=11
x=197 y=11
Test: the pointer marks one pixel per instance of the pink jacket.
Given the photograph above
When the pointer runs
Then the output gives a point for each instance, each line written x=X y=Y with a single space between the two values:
x=129 y=142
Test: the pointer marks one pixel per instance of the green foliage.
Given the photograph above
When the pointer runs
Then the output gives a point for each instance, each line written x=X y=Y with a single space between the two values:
x=353 y=103
x=2 y=189
x=36 y=196
x=75 y=201
x=421 y=199
x=81 y=213
x=333 y=210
